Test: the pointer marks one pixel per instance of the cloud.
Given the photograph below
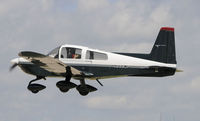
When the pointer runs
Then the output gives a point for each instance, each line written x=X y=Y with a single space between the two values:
x=131 y=48
x=190 y=86
x=161 y=14
x=119 y=25
x=196 y=83
x=92 y=5
x=142 y=100
x=108 y=102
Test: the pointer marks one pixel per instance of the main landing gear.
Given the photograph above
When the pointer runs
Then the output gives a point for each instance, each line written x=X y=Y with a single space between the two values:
x=66 y=85
x=35 y=88
x=84 y=89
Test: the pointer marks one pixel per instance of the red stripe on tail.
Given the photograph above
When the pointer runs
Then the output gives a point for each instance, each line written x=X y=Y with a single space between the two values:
x=167 y=28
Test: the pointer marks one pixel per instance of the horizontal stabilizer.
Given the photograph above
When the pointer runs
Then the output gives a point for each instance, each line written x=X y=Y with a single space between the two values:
x=177 y=70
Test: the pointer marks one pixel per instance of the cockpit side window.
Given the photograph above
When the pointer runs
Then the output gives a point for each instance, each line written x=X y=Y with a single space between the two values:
x=71 y=53
x=54 y=53
x=92 y=55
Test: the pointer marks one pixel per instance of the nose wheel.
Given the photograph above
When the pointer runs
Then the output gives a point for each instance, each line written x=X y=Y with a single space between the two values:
x=35 y=88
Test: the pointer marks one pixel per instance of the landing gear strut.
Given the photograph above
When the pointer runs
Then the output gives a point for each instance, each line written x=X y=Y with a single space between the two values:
x=35 y=88
x=82 y=88
x=66 y=85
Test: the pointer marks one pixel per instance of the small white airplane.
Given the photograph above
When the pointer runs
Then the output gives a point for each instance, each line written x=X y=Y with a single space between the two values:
x=80 y=63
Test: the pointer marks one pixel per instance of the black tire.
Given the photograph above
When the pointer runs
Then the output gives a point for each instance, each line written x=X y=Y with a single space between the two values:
x=83 y=93
x=35 y=91
x=35 y=88
x=64 y=90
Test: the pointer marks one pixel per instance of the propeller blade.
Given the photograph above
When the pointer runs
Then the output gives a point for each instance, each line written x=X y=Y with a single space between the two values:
x=13 y=66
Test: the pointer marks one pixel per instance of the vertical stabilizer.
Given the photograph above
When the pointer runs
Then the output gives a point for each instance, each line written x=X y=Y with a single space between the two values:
x=164 y=47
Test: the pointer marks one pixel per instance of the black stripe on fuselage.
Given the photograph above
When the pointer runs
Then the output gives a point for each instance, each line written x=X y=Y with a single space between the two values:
x=113 y=70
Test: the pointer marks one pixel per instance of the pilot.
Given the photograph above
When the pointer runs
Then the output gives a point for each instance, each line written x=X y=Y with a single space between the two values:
x=76 y=56
x=70 y=53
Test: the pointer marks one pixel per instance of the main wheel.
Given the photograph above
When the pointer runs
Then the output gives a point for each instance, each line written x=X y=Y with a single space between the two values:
x=65 y=86
x=64 y=90
x=83 y=90
x=83 y=93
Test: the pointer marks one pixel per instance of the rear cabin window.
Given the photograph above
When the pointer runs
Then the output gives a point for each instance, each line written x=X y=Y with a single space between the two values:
x=92 y=55
x=71 y=53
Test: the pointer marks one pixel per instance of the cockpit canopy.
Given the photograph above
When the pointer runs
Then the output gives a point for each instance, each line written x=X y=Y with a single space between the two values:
x=77 y=52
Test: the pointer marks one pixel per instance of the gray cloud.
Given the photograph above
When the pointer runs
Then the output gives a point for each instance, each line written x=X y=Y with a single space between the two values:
x=113 y=25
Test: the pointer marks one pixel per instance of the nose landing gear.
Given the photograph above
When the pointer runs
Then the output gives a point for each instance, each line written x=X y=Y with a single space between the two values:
x=35 y=88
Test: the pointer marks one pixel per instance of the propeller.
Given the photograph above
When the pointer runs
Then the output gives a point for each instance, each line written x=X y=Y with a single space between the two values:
x=15 y=63
x=13 y=66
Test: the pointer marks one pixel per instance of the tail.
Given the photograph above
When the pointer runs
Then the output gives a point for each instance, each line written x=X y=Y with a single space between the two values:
x=164 y=47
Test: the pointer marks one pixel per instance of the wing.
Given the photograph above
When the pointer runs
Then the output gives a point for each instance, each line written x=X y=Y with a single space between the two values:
x=48 y=63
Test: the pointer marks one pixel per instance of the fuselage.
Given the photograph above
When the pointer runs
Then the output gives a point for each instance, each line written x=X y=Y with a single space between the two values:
x=99 y=64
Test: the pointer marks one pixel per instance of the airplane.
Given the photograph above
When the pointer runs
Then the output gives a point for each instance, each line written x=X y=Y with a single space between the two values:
x=81 y=63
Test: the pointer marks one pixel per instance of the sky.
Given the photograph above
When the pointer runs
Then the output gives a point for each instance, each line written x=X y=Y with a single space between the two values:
x=110 y=25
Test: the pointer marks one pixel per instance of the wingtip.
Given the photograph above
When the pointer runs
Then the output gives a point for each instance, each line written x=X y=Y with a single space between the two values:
x=23 y=53
x=30 y=54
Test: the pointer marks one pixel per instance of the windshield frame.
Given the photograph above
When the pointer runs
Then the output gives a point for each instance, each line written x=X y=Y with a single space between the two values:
x=54 y=53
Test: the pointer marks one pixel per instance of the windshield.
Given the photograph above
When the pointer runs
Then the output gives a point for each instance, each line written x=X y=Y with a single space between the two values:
x=54 y=52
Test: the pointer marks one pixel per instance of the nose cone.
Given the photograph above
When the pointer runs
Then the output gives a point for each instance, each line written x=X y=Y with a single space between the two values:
x=15 y=61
